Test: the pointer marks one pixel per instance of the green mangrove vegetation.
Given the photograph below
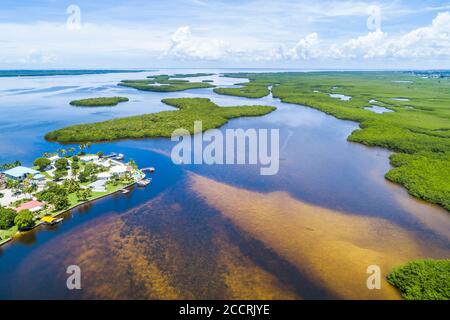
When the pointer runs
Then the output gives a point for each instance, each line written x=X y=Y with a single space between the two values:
x=99 y=102
x=160 y=124
x=424 y=174
x=418 y=129
x=192 y=75
x=423 y=280
x=164 y=83
x=253 y=89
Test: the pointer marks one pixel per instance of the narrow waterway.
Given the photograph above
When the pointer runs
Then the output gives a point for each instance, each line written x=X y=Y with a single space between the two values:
x=221 y=231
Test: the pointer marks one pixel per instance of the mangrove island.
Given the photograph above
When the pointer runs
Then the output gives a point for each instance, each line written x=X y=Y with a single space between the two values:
x=161 y=124
x=99 y=102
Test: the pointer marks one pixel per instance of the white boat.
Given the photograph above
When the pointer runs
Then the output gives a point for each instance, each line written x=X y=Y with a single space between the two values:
x=120 y=156
x=125 y=191
x=144 y=183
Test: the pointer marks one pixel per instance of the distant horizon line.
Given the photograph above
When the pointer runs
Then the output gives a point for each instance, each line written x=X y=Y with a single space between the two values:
x=225 y=68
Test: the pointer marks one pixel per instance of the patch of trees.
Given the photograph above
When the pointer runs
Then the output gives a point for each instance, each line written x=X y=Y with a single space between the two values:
x=7 y=217
x=24 y=220
x=42 y=163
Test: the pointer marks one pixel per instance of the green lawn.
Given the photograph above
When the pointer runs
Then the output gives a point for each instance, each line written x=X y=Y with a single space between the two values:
x=423 y=280
x=160 y=124
x=6 y=234
x=99 y=102
x=418 y=129
x=74 y=201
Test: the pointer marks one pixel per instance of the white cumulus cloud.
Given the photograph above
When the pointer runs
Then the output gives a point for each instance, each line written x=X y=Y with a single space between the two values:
x=428 y=42
x=37 y=57
x=53 y=44
x=372 y=45
x=185 y=45
x=306 y=48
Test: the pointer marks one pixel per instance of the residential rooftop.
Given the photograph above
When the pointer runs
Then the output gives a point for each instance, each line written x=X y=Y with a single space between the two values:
x=20 y=171
x=31 y=205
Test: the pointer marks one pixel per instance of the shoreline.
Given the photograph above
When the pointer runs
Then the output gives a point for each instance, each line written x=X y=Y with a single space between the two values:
x=408 y=161
x=58 y=214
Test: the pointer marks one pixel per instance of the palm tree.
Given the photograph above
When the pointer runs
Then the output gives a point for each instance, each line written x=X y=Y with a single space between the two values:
x=25 y=186
x=133 y=164
x=2 y=182
x=30 y=190
x=62 y=152
x=11 y=184
x=11 y=165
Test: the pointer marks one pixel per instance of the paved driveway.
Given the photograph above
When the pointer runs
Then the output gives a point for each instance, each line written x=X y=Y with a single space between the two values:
x=8 y=197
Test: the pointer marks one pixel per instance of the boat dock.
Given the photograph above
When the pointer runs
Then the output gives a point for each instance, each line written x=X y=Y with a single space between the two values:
x=144 y=183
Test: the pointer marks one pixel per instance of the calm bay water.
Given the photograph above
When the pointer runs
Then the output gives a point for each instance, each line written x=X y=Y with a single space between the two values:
x=171 y=240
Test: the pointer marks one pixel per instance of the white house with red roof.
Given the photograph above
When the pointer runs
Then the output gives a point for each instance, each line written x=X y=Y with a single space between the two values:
x=33 y=206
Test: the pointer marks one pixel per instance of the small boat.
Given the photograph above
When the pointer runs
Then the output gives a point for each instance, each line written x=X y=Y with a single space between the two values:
x=111 y=155
x=124 y=191
x=120 y=156
x=144 y=183
x=51 y=221
x=152 y=170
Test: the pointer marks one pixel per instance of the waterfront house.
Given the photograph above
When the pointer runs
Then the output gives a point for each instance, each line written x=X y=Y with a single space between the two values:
x=120 y=170
x=38 y=177
x=20 y=173
x=104 y=163
x=89 y=158
x=104 y=176
x=98 y=186
x=33 y=206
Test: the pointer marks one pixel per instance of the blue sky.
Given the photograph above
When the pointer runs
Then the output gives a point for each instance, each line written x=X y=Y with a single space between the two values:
x=200 y=33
